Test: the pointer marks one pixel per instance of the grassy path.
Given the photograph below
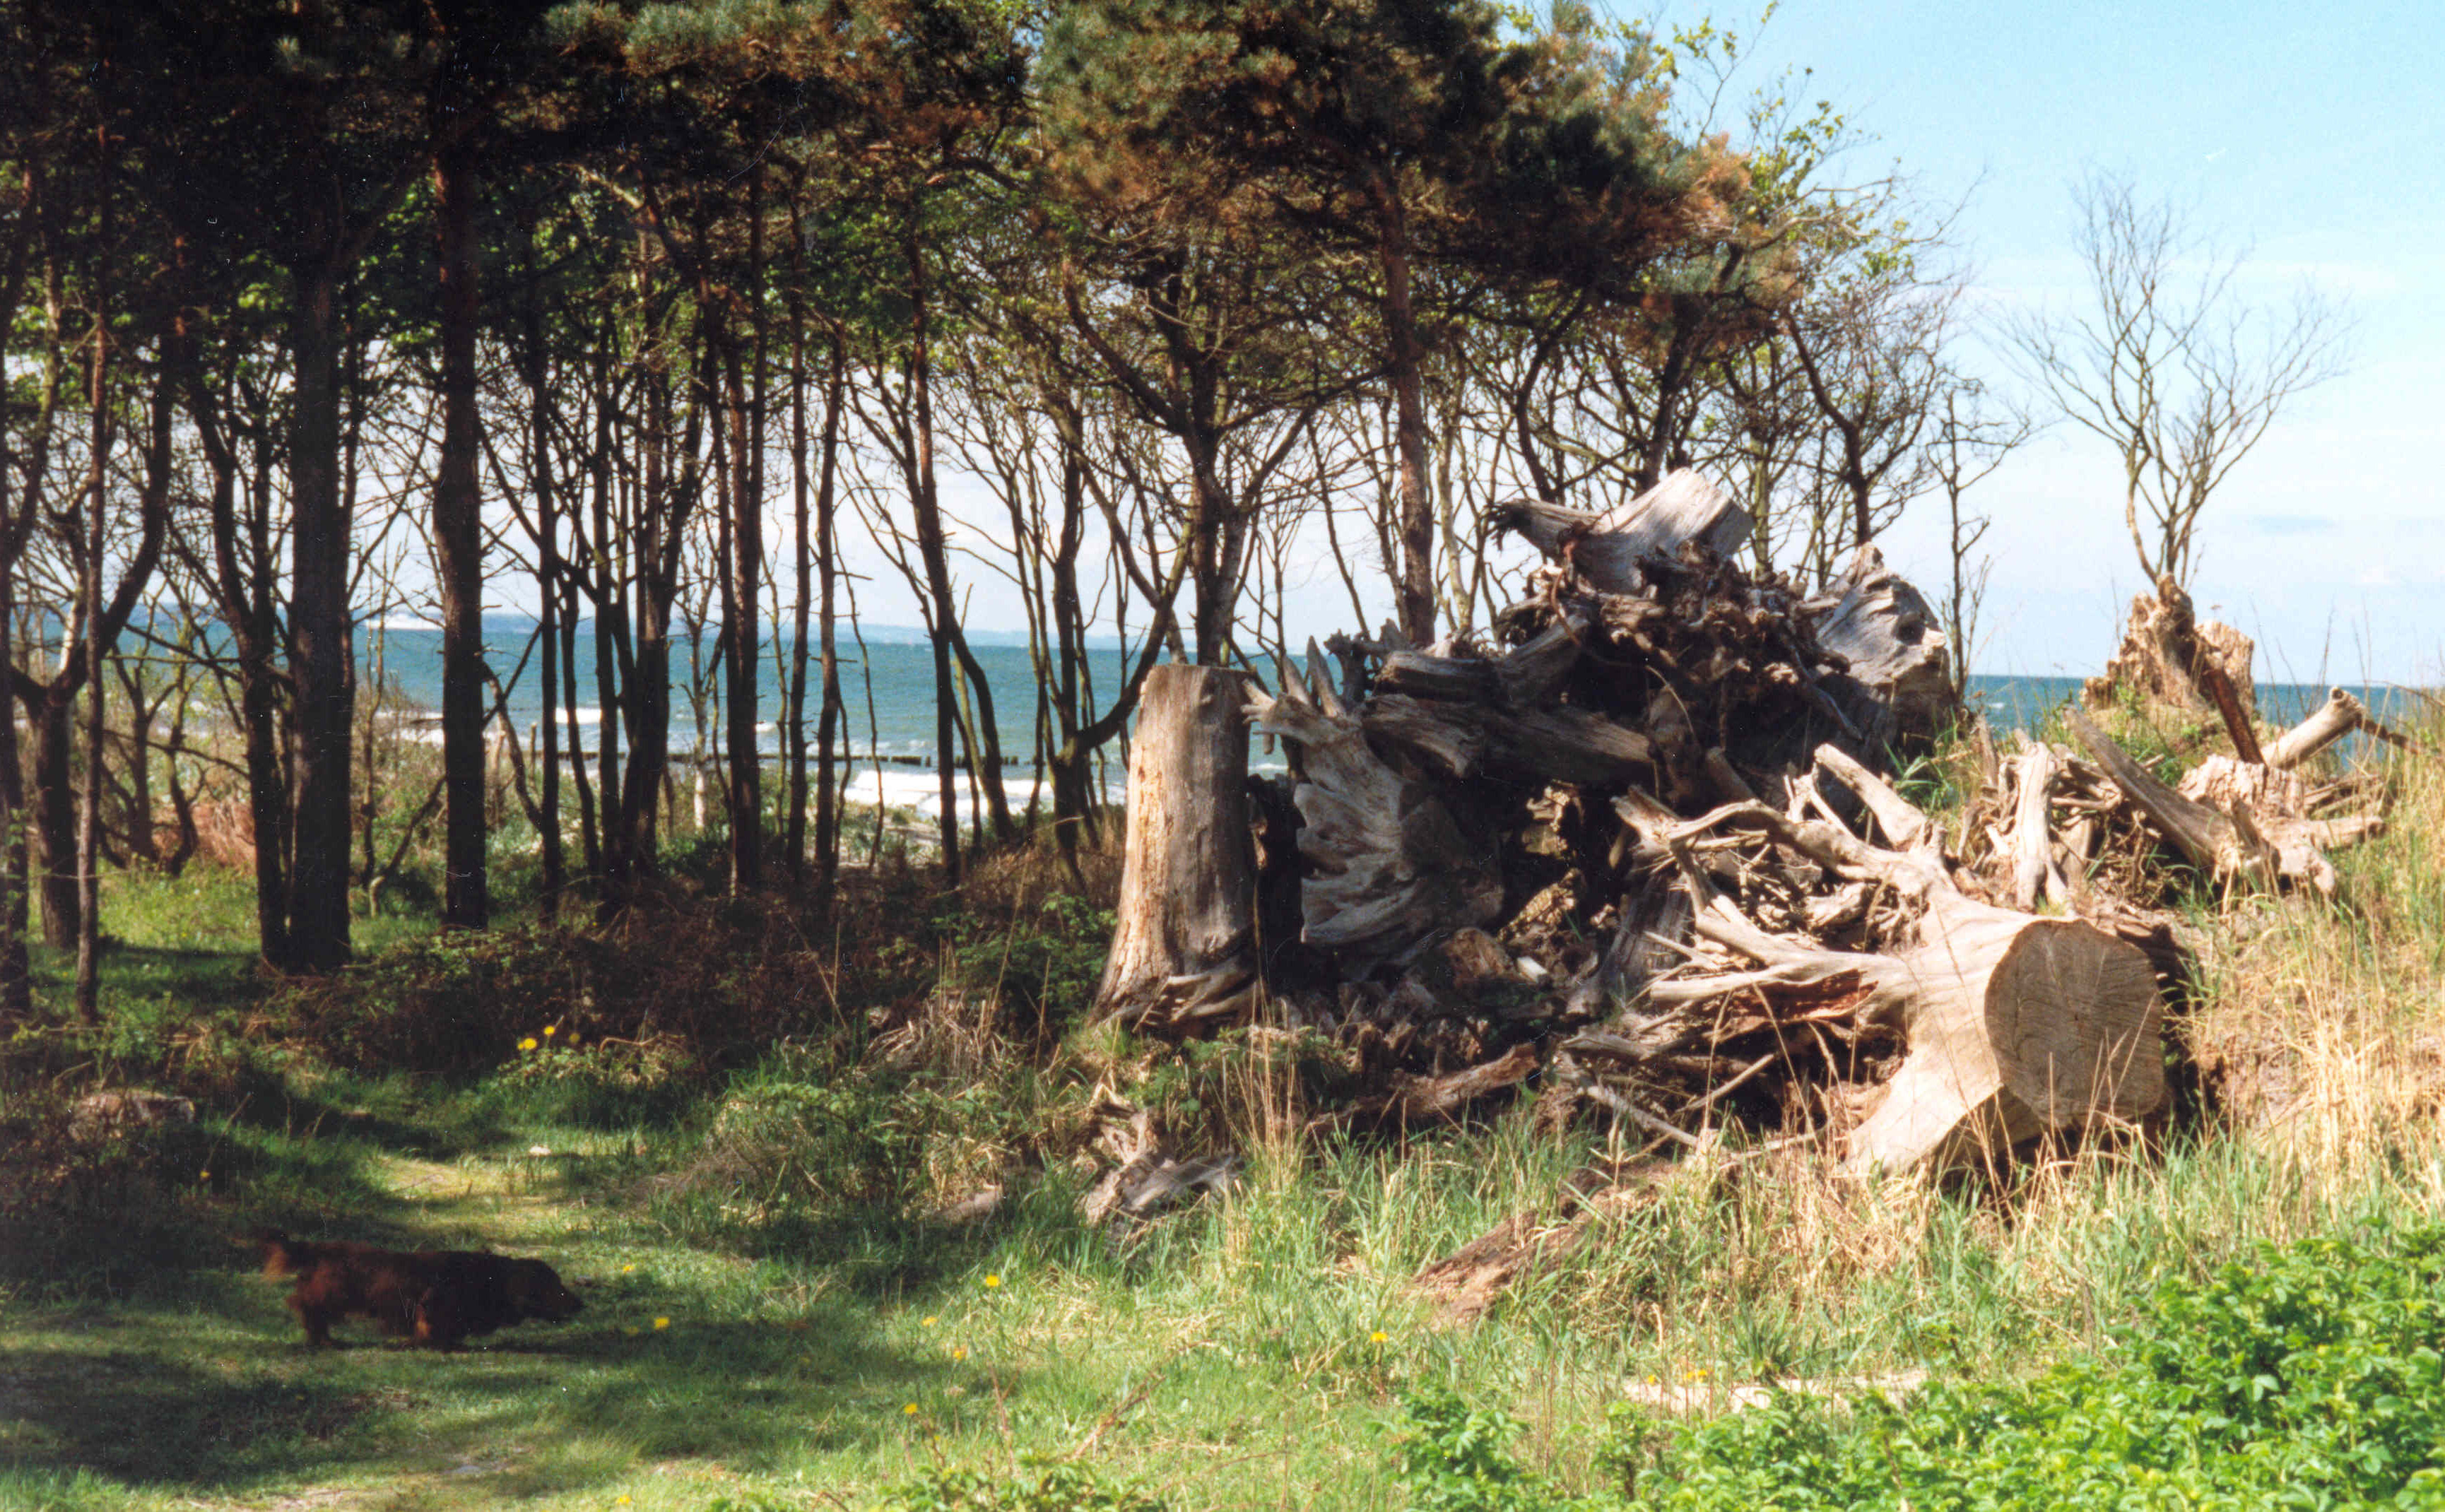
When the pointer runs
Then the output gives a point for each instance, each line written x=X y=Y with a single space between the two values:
x=147 y=1366
x=152 y=1369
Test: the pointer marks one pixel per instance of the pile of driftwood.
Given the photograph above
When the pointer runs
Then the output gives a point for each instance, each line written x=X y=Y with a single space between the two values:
x=1645 y=853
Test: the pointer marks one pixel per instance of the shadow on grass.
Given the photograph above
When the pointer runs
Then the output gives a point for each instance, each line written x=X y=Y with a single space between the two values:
x=212 y=1394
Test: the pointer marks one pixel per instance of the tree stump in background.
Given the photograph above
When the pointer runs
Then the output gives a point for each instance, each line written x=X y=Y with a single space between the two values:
x=1184 y=945
x=2170 y=656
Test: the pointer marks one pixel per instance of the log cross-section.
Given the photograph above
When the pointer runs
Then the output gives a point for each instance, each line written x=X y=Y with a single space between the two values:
x=1185 y=948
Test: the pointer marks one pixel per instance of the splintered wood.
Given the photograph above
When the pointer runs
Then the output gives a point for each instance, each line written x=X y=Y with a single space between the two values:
x=1641 y=856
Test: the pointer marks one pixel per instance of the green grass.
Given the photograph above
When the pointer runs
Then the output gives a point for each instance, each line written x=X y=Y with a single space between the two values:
x=1267 y=1350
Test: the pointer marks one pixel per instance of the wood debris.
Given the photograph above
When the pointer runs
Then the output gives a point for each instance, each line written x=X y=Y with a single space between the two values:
x=1639 y=856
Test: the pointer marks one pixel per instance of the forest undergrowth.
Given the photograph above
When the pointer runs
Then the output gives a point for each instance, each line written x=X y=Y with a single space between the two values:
x=817 y=1176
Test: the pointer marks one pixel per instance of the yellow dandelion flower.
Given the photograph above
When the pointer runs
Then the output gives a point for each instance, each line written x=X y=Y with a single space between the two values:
x=662 y=1323
x=618 y=1500
x=992 y=1281
x=203 y=1175
x=571 y=1041
x=527 y=1043
x=1650 y=1380
x=626 y=1269
x=911 y=1409
x=549 y=1030
x=1378 y=1336
x=930 y=1321
x=959 y=1354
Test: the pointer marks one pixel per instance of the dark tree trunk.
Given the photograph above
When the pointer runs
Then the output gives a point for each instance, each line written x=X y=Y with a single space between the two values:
x=16 y=978
x=459 y=545
x=828 y=721
x=318 y=633
x=743 y=638
x=547 y=576
x=88 y=857
x=1414 y=594
x=50 y=713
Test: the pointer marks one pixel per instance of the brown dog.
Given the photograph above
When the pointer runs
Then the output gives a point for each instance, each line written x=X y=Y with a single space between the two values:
x=432 y=1296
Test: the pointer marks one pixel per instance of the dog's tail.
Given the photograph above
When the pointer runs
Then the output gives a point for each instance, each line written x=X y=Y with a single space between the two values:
x=282 y=1256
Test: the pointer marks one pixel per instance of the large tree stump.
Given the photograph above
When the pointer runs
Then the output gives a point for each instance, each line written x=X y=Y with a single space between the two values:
x=1389 y=871
x=1185 y=950
x=1899 y=679
x=2017 y=1025
x=2170 y=656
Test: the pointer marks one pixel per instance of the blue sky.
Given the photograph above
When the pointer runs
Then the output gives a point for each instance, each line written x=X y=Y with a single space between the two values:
x=2314 y=134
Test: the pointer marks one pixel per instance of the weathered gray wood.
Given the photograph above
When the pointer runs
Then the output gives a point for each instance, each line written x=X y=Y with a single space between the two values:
x=1559 y=744
x=1897 y=680
x=1185 y=948
x=2035 y=877
x=2222 y=845
x=1389 y=871
x=2166 y=646
x=1903 y=822
x=2017 y=1025
x=1604 y=549
x=2339 y=715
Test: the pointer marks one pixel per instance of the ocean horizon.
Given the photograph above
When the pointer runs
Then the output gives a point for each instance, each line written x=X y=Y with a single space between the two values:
x=888 y=686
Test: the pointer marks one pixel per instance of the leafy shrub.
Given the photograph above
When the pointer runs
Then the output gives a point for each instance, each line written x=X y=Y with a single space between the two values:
x=1045 y=969
x=2312 y=1376
x=1044 y=1488
x=2309 y=1377
x=1457 y=1458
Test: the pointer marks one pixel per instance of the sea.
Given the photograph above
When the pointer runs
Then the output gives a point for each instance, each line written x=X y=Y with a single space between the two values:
x=887 y=682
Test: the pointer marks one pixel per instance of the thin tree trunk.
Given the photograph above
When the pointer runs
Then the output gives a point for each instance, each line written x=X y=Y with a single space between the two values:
x=802 y=561
x=1414 y=594
x=459 y=542
x=318 y=656
x=88 y=849
x=834 y=713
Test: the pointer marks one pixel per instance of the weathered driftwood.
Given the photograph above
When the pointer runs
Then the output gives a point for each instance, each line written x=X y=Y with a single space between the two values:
x=2036 y=878
x=1463 y=1284
x=2223 y=845
x=1389 y=871
x=1419 y=1102
x=2339 y=715
x=2169 y=656
x=1185 y=948
x=1605 y=550
x=1897 y=680
x=1464 y=740
x=2017 y=1025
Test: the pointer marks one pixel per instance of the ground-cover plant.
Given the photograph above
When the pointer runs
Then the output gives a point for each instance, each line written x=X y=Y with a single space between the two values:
x=2308 y=1375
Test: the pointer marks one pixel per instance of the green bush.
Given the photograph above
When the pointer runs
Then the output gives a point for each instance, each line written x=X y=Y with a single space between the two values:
x=1044 y=1489
x=2312 y=1376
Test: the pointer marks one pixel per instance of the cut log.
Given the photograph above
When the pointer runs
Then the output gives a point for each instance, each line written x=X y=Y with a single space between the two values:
x=2017 y=1026
x=1389 y=871
x=1605 y=549
x=1185 y=949
x=1899 y=679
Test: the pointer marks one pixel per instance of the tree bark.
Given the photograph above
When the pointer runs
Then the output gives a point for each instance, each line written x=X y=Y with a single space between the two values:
x=458 y=544
x=1185 y=952
x=1415 y=592
x=318 y=635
